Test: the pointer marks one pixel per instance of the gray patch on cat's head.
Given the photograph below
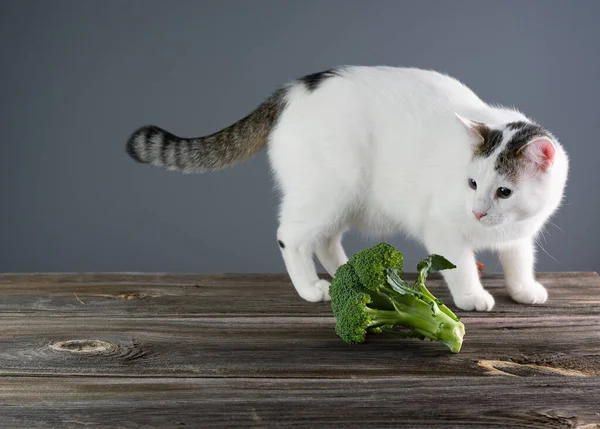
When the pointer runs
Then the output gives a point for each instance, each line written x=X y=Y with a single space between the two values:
x=491 y=140
x=509 y=161
x=517 y=125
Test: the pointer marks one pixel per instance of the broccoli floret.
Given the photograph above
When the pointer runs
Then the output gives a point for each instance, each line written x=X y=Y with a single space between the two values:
x=370 y=264
x=369 y=295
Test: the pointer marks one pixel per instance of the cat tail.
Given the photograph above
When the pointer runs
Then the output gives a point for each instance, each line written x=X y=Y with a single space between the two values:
x=155 y=146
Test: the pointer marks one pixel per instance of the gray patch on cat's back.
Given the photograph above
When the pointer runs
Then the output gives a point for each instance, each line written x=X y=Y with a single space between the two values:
x=508 y=162
x=314 y=80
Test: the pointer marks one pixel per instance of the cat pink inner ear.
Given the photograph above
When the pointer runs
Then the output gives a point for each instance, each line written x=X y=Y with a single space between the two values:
x=467 y=123
x=541 y=152
x=474 y=128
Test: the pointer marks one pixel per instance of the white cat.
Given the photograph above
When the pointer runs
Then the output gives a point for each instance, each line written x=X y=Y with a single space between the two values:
x=388 y=150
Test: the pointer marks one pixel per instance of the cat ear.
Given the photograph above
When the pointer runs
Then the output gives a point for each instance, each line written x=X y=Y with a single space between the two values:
x=540 y=152
x=475 y=129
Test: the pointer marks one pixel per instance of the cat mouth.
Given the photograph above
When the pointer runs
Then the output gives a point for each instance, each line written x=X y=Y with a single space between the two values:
x=491 y=222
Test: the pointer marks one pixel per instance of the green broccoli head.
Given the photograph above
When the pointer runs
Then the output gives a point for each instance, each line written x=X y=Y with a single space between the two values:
x=356 y=284
x=370 y=265
x=349 y=302
x=368 y=294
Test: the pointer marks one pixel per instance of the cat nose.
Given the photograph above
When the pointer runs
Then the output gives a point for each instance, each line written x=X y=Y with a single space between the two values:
x=479 y=215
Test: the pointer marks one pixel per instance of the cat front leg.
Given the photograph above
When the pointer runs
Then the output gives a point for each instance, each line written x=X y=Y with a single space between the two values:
x=517 y=260
x=463 y=281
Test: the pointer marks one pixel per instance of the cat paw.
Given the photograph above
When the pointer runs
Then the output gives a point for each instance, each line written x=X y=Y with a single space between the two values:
x=324 y=286
x=480 y=300
x=531 y=293
x=317 y=293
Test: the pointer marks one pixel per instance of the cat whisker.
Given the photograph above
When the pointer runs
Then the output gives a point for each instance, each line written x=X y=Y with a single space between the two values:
x=556 y=226
x=542 y=231
x=496 y=267
x=545 y=251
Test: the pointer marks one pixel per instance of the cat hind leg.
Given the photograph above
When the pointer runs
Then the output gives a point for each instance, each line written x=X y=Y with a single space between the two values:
x=297 y=244
x=331 y=253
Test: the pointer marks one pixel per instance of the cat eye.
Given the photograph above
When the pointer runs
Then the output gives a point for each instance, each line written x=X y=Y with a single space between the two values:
x=472 y=184
x=503 y=192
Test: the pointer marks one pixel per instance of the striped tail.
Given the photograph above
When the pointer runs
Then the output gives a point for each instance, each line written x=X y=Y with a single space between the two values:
x=155 y=146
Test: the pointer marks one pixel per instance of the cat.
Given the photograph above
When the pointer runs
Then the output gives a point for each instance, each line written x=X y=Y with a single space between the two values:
x=387 y=150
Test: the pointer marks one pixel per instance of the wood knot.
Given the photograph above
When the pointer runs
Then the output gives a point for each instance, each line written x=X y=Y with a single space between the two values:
x=133 y=296
x=500 y=367
x=126 y=351
x=83 y=346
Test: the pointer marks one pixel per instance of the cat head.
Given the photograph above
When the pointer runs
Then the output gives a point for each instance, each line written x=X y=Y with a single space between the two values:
x=517 y=172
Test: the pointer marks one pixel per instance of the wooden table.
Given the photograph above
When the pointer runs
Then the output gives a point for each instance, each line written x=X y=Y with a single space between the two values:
x=231 y=351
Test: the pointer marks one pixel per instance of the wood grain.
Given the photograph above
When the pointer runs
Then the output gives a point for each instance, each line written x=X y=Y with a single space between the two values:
x=161 y=350
x=289 y=347
x=431 y=402
x=168 y=295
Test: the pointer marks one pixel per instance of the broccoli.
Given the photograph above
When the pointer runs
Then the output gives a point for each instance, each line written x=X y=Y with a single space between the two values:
x=369 y=295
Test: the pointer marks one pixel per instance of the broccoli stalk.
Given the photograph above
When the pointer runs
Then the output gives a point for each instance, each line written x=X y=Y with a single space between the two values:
x=369 y=295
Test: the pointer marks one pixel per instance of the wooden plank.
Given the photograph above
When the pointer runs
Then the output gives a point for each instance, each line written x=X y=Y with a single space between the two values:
x=129 y=350
x=290 y=347
x=166 y=295
x=494 y=402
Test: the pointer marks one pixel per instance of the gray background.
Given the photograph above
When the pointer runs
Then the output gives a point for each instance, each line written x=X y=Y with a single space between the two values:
x=77 y=77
